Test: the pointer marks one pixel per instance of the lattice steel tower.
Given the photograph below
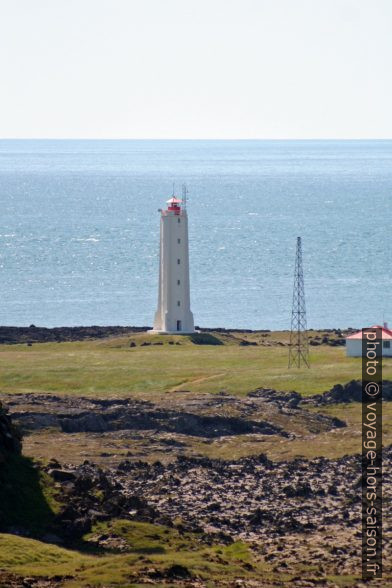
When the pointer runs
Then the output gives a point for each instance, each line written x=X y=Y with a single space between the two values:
x=299 y=348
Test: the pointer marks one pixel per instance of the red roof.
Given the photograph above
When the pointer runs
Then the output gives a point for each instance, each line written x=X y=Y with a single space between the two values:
x=385 y=333
x=174 y=200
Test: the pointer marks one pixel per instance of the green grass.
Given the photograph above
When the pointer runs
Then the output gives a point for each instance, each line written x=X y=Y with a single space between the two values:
x=27 y=496
x=29 y=556
x=110 y=368
x=148 y=547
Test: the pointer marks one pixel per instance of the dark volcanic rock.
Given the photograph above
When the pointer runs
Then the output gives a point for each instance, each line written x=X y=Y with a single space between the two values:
x=254 y=497
x=89 y=422
x=337 y=341
x=208 y=417
x=73 y=415
x=10 y=580
x=169 y=421
x=33 y=334
x=249 y=499
x=302 y=490
x=178 y=571
x=61 y=475
x=350 y=392
x=10 y=437
x=290 y=399
x=95 y=495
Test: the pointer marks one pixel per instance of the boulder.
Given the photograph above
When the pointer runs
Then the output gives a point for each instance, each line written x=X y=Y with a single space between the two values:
x=61 y=475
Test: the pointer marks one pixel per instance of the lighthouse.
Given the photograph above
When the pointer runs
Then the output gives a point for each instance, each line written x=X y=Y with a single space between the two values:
x=174 y=314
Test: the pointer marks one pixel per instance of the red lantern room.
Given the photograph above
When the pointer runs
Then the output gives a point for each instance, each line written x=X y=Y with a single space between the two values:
x=174 y=205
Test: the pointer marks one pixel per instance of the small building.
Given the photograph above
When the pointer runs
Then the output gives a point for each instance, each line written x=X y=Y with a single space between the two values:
x=354 y=342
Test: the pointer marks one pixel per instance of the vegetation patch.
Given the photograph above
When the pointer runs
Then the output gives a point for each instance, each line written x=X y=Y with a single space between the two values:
x=149 y=553
x=205 y=339
x=27 y=496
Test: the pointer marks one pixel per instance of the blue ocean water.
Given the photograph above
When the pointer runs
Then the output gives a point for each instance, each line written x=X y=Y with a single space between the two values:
x=79 y=230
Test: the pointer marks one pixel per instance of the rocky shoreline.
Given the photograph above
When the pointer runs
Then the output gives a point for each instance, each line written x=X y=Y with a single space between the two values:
x=33 y=334
x=10 y=335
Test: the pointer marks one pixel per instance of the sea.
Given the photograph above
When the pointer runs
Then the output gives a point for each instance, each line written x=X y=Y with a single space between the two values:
x=79 y=230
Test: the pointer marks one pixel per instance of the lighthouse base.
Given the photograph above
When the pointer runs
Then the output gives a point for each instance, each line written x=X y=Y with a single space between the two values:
x=156 y=332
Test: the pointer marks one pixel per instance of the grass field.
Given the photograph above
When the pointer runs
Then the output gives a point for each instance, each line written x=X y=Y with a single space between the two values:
x=111 y=368
x=152 y=550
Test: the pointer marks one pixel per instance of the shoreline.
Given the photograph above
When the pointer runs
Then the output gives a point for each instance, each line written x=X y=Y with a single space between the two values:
x=10 y=335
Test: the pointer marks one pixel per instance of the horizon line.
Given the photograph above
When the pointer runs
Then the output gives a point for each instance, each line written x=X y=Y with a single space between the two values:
x=195 y=139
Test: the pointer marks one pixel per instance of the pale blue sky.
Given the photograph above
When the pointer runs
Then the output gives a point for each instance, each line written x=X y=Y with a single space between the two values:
x=196 y=68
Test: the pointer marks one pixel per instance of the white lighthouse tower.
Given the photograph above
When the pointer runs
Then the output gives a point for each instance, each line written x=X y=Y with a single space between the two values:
x=174 y=314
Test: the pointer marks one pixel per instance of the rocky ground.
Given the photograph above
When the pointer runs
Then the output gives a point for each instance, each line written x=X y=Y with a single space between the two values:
x=107 y=431
x=249 y=499
x=297 y=515
x=201 y=416
x=302 y=510
x=350 y=392
x=72 y=415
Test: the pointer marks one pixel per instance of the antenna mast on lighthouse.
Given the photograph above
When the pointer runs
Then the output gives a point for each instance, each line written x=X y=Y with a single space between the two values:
x=299 y=349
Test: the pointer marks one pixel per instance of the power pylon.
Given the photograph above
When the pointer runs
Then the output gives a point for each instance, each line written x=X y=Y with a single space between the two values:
x=299 y=348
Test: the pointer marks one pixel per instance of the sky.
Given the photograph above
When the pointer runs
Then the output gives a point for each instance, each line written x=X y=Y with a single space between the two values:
x=196 y=69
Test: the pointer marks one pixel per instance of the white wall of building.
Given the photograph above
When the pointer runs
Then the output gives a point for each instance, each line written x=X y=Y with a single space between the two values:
x=354 y=348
